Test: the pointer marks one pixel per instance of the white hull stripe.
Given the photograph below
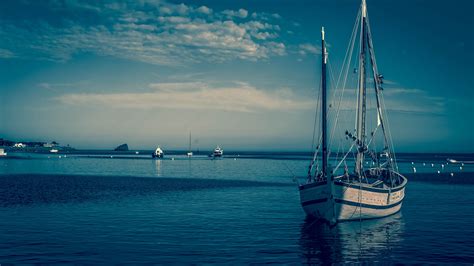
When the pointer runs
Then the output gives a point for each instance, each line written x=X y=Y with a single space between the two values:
x=378 y=190
x=364 y=205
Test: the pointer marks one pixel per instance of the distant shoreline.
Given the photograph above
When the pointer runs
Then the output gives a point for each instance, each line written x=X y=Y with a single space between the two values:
x=70 y=150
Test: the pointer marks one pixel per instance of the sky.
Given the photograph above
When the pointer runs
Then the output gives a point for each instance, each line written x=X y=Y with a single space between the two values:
x=240 y=74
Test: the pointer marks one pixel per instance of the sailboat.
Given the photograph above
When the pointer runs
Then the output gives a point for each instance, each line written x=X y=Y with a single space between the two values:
x=158 y=153
x=374 y=188
x=189 y=153
x=218 y=152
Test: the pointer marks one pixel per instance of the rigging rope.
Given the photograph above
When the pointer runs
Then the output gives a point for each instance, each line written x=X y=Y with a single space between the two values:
x=348 y=55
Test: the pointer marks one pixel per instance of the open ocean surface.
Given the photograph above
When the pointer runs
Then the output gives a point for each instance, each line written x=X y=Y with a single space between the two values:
x=91 y=208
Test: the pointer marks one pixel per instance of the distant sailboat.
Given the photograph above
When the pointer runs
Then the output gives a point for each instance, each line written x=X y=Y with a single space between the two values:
x=218 y=152
x=158 y=153
x=190 y=153
x=372 y=190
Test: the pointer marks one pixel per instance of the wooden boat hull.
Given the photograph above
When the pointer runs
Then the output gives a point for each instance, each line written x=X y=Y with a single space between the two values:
x=350 y=202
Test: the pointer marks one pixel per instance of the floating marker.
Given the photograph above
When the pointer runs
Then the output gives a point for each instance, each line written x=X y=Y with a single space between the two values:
x=462 y=164
x=442 y=166
x=439 y=172
x=424 y=164
x=432 y=165
x=414 y=170
x=460 y=167
x=235 y=159
x=59 y=156
x=452 y=174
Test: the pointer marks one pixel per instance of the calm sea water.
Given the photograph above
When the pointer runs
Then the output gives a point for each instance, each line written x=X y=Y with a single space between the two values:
x=99 y=209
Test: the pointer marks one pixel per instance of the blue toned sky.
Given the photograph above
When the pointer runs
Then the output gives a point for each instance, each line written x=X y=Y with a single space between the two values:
x=241 y=74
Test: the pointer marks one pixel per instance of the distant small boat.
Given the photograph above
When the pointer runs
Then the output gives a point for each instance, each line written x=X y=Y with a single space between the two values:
x=2 y=152
x=158 y=153
x=218 y=152
x=54 y=150
x=456 y=161
x=189 y=153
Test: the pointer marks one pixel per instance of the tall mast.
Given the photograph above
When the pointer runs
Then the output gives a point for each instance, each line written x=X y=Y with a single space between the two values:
x=324 y=109
x=361 y=105
x=189 y=141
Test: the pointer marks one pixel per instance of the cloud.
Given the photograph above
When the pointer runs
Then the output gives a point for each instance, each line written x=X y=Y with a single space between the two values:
x=415 y=101
x=4 y=53
x=204 y=10
x=237 y=97
x=241 y=13
x=60 y=86
x=308 y=48
x=155 y=32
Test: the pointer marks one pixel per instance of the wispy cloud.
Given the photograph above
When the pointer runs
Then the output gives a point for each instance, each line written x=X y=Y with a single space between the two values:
x=308 y=48
x=4 y=53
x=237 y=97
x=60 y=86
x=154 y=32
x=397 y=99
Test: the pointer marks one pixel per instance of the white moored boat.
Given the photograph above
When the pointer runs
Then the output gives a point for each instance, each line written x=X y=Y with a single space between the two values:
x=374 y=188
x=158 y=153
x=218 y=152
x=2 y=152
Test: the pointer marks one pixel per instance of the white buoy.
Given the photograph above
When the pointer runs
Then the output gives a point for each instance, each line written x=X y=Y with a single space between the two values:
x=432 y=165
x=235 y=159
x=452 y=174
x=59 y=156
x=424 y=164
x=439 y=172
x=462 y=164
x=172 y=159
x=460 y=167
x=442 y=166
x=414 y=170
x=412 y=163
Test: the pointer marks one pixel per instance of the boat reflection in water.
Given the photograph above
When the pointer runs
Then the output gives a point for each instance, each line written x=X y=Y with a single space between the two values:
x=367 y=241
x=158 y=168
